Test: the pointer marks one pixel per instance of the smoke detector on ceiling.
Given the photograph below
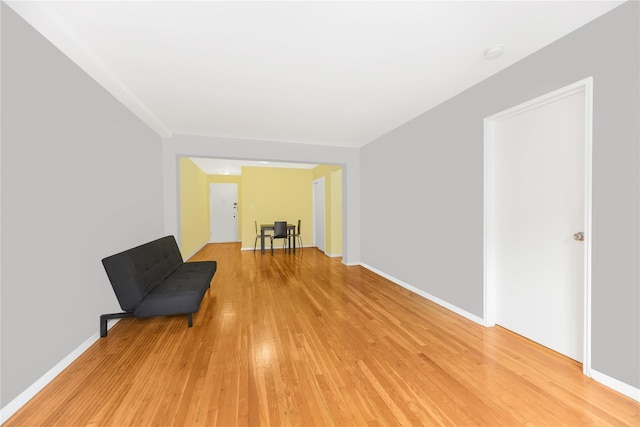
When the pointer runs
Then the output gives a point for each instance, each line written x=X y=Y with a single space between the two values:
x=494 y=52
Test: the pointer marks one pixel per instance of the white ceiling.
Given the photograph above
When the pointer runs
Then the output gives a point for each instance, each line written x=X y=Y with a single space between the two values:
x=325 y=72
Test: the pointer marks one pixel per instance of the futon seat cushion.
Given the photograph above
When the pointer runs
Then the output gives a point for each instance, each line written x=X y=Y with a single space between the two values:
x=179 y=293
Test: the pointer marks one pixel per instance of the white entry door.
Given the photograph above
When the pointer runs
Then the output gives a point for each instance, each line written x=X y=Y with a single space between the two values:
x=318 y=214
x=538 y=199
x=223 y=199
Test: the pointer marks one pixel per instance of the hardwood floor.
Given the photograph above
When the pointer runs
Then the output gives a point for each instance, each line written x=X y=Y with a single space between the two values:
x=303 y=340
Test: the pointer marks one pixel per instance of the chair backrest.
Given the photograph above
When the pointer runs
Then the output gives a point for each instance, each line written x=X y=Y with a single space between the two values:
x=298 y=229
x=280 y=229
x=256 y=222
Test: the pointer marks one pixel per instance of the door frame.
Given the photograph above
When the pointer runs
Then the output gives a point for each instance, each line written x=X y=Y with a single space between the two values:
x=586 y=86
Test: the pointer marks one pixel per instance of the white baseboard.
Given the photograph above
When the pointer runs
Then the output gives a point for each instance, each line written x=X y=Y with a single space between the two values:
x=333 y=255
x=269 y=249
x=617 y=385
x=12 y=407
x=426 y=295
x=612 y=383
x=20 y=400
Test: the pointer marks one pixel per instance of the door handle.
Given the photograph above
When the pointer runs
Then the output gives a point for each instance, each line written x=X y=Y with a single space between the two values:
x=579 y=236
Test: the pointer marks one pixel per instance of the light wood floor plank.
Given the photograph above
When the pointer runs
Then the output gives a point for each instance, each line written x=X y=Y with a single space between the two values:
x=302 y=340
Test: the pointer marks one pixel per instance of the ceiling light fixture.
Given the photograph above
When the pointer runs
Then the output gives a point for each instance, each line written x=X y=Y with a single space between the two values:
x=494 y=52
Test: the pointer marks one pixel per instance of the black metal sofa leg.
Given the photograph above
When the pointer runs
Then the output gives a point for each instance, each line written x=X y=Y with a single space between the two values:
x=105 y=317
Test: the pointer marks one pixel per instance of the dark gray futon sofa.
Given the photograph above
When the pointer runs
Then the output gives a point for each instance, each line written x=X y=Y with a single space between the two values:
x=152 y=280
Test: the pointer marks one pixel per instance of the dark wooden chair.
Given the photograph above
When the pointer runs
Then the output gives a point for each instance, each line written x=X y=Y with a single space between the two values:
x=280 y=232
x=298 y=235
x=266 y=235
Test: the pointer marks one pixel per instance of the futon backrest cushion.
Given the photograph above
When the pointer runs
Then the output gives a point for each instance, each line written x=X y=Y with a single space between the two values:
x=137 y=271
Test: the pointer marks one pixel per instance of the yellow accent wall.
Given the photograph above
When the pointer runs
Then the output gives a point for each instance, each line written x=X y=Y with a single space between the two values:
x=275 y=194
x=335 y=230
x=194 y=207
x=264 y=195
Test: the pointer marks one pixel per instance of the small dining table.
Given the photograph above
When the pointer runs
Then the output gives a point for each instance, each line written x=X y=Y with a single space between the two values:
x=291 y=232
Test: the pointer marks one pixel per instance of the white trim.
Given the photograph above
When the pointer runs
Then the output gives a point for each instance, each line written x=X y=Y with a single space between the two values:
x=250 y=248
x=12 y=407
x=314 y=237
x=300 y=247
x=585 y=85
x=44 y=18
x=588 y=230
x=426 y=295
x=612 y=383
x=266 y=249
x=543 y=99
x=617 y=385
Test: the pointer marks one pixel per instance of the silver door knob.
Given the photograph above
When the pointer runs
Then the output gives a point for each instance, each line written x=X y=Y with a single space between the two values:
x=579 y=236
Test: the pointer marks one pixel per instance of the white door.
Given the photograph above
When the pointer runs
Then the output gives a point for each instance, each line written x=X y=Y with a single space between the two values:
x=539 y=204
x=223 y=199
x=318 y=214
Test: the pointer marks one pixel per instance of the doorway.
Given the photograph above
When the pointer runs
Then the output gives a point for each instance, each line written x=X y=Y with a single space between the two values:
x=223 y=205
x=538 y=220
x=318 y=214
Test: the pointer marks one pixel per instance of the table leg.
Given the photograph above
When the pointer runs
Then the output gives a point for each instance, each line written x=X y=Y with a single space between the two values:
x=262 y=241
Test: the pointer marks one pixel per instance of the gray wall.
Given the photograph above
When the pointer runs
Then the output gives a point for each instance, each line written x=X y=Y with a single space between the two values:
x=427 y=175
x=60 y=216
x=81 y=179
